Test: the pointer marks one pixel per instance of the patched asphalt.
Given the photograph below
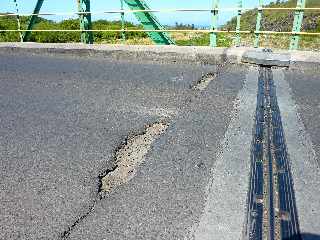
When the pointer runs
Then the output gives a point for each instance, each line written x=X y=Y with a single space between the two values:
x=62 y=119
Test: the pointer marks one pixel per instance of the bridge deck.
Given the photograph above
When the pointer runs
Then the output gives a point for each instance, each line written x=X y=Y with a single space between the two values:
x=64 y=118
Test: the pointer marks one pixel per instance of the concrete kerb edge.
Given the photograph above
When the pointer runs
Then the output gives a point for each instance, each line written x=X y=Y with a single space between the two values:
x=282 y=58
x=161 y=54
x=173 y=54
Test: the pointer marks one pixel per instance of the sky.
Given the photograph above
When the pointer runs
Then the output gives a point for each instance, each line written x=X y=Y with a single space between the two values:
x=199 y=19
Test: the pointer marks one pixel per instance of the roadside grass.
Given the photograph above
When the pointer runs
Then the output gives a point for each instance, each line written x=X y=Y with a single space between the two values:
x=310 y=43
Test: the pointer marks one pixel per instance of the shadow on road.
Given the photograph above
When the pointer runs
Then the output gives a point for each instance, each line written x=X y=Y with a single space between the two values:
x=308 y=236
x=304 y=236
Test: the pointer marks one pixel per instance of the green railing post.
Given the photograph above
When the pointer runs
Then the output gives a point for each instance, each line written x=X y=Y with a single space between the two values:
x=123 y=34
x=297 y=23
x=238 y=38
x=214 y=23
x=258 y=24
x=85 y=21
x=18 y=20
x=32 y=21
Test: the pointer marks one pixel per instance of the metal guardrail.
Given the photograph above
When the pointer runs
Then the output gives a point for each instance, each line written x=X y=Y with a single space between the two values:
x=86 y=30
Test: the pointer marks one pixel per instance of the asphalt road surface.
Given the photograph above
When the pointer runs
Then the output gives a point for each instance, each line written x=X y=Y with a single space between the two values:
x=63 y=119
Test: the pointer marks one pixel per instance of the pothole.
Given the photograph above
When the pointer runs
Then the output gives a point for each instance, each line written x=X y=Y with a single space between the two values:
x=204 y=81
x=131 y=155
x=128 y=158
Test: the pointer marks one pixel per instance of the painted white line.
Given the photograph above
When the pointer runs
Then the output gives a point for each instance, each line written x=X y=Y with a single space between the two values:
x=225 y=209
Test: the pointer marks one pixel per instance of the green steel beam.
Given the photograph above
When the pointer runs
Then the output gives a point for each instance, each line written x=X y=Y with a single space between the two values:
x=238 y=38
x=123 y=34
x=214 y=23
x=258 y=24
x=297 y=23
x=32 y=21
x=85 y=21
x=149 y=22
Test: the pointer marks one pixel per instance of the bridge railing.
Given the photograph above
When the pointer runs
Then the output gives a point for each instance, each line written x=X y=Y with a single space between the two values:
x=86 y=30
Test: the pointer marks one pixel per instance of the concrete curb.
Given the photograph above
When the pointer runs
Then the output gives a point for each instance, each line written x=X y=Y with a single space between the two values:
x=266 y=58
x=173 y=54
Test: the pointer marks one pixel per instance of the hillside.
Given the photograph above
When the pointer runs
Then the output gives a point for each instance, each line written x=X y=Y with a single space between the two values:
x=279 y=20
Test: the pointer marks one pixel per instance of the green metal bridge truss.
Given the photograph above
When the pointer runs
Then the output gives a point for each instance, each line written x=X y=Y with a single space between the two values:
x=157 y=32
x=149 y=22
x=147 y=19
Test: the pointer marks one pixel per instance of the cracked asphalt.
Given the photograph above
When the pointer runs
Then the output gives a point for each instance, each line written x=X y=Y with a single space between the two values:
x=62 y=119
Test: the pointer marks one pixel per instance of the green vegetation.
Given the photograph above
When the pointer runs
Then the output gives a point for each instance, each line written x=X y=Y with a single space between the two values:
x=281 y=21
x=185 y=39
x=272 y=20
x=10 y=22
x=200 y=39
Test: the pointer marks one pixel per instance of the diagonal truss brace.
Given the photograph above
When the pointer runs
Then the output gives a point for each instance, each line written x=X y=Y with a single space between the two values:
x=32 y=21
x=149 y=22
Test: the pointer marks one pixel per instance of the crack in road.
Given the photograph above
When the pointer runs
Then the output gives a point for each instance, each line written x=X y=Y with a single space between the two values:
x=206 y=78
x=128 y=156
x=132 y=152
x=204 y=81
x=131 y=155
